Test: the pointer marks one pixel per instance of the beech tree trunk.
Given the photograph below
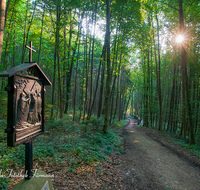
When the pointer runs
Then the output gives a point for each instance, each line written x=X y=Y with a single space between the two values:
x=68 y=66
x=97 y=83
x=108 y=81
x=159 y=85
x=58 y=56
x=26 y=35
x=53 y=84
x=39 y=51
x=91 y=68
x=2 y=21
x=101 y=88
x=76 y=79
x=185 y=86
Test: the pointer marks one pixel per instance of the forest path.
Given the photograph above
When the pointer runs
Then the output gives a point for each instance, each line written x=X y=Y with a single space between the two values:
x=152 y=165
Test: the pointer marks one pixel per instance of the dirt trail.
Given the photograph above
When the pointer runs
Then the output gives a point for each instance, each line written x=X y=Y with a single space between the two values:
x=150 y=161
x=150 y=165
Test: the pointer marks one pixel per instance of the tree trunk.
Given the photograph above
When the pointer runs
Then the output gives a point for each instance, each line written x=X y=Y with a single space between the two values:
x=157 y=79
x=2 y=21
x=82 y=93
x=108 y=81
x=112 y=97
x=172 y=100
x=127 y=106
x=53 y=84
x=39 y=51
x=91 y=68
x=101 y=87
x=58 y=55
x=14 y=47
x=6 y=13
x=75 y=90
x=97 y=83
x=159 y=85
x=68 y=66
x=118 y=83
x=27 y=35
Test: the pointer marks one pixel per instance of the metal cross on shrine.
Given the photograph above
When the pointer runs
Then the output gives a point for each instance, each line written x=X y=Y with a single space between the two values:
x=30 y=51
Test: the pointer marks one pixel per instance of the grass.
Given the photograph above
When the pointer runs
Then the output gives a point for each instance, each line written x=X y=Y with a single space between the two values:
x=64 y=142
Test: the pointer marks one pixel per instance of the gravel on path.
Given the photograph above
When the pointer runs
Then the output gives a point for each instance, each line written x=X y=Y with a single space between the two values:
x=154 y=164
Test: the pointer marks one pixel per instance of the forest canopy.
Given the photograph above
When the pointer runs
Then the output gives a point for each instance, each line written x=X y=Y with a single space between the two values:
x=109 y=58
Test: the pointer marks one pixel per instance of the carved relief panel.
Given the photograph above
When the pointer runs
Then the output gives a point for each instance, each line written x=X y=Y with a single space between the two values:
x=28 y=107
x=25 y=110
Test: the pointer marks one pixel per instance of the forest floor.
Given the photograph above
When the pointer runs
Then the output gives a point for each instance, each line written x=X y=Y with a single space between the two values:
x=150 y=161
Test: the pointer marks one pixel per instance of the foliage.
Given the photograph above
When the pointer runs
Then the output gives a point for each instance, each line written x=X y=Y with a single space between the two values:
x=3 y=105
x=146 y=78
x=64 y=143
x=185 y=143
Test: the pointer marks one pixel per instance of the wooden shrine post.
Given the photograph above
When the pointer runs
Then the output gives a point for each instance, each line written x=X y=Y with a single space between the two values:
x=25 y=113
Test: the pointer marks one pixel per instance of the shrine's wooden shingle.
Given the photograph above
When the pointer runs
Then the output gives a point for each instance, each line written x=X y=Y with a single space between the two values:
x=14 y=70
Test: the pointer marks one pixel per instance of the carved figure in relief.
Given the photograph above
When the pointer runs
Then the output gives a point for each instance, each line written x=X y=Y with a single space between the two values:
x=29 y=104
x=39 y=107
x=22 y=104
x=32 y=109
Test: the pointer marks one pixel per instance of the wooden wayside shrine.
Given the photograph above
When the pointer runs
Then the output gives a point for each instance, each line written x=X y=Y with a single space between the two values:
x=25 y=113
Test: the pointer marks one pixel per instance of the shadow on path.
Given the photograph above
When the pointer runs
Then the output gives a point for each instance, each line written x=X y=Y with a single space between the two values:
x=151 y=164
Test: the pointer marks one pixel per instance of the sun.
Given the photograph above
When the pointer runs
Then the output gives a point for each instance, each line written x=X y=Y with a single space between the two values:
x=179 y=38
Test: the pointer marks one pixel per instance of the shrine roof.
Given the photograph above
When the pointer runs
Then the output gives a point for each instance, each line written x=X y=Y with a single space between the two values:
x=14 y=70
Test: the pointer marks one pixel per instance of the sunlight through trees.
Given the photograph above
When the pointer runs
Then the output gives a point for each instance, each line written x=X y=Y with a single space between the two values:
x=110 y=62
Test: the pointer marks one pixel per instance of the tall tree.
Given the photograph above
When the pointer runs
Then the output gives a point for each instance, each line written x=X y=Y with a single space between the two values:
x=185 y=88
x=108 y=79
x=2 y=21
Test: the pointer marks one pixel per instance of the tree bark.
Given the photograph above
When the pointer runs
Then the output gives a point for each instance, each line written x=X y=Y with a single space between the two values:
x=101 y=87
x=39 y=51
x=82 y=92
x=53 y=84
x=108 y=81
x=97 y=83
x=91 y=68
x=58 y=55
x=159 y=83
x=2 y=21
x=68 y=66
x=75 y=91
x=26 y=35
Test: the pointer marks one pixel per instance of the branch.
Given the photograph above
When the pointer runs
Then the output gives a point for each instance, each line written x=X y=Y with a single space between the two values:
x=6 y=13
x=170 y=6
x=194 y=17
x=70 y=3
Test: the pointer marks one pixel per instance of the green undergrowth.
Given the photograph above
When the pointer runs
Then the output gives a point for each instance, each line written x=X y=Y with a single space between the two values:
x=194 y=148
x=185 y=143
x=64 y=143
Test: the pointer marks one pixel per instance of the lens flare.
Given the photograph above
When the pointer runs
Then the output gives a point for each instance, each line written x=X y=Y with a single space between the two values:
x=179 y=38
